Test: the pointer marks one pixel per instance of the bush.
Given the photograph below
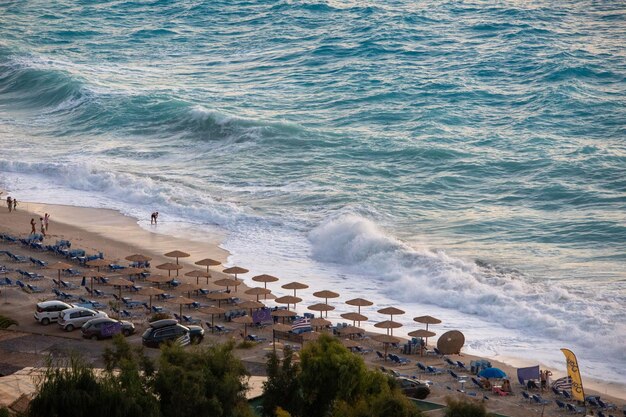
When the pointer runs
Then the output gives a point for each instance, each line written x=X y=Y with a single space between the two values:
x=246 y=344
x=6 y=322
x=4 y=412
x=464 y=408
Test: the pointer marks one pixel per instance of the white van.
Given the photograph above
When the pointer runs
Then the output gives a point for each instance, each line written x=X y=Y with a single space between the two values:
x=74 y=318
x=48 y=311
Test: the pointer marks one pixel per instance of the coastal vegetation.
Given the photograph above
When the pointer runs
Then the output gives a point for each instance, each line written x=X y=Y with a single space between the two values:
x=6 y=322
x=330 y=380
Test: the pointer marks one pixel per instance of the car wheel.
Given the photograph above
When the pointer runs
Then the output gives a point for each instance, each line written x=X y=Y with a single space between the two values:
x=45 y=321
x=94 y=337
x=126 y=332
x=69 y=328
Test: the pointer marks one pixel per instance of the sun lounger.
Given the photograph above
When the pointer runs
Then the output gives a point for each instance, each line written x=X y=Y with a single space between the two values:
x=434 y=371
x=608 y=406
x=69 y=285
x=191 y=320
x=450 y=362
x=98 y=293
x=461 y=365
x=575 y=409
x=38 y=262
x=34 y=288
x=255 y=338
x=566 y=394
x=421 y=367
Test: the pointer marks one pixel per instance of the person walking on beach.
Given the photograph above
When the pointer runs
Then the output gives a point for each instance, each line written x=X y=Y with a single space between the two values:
x=10 y=203
x=153 y=217
x=32 y=227
x=46 y=219
x=14 y=204
x=43 y=227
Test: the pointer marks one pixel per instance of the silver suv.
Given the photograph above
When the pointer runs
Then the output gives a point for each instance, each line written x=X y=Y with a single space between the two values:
x=48 y=311
x=74 y=318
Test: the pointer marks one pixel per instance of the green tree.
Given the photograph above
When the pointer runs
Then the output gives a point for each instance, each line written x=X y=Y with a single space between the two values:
x=201 y=382
x=282 y=388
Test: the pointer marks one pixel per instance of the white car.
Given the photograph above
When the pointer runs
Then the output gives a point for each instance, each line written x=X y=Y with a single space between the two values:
x=74 y=318
x=49 y=311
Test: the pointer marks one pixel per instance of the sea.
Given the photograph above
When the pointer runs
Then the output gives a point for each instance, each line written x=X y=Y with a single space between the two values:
x=460 y=159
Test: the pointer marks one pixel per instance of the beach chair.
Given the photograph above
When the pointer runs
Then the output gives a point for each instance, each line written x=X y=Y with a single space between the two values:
x=560 y=404
x=98 y=293
x=380 y=355
x=21 y=285
x=481 y=386
x=450 y=362
x=255 y=338
x=34 y=289
x=607 y=406
x=461 y=365
x=434 y=371
x=191 y=320
x=575 y=409
x=566 y=394
x=525 y=395
x=421 y=367
x=69 y=285
x=592 y=401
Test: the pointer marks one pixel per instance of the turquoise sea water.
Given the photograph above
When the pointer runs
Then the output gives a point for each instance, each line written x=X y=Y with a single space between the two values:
x=460 y=159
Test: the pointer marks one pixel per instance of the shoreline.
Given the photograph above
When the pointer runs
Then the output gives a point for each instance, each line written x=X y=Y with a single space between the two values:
x=118 y=235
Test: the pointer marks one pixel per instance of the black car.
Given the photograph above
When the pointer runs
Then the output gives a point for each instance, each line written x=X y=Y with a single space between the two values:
x=413 y=388
x=169 y=330
x=104 y=327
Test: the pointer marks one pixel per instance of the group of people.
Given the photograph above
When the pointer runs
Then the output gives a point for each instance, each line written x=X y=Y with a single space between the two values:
x=44 y=221
x=11 y=203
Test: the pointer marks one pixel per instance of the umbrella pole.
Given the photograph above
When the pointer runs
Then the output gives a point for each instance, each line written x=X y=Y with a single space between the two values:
x=212 y=317
x=180 y=314
x=150 y=302
x=92 y=284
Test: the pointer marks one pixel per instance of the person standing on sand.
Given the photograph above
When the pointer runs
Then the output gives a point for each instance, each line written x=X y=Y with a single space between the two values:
x=10 y=203
x=32 y=227
x=46 y=219
x=156 y=217
x=43 y=228
x=14 y=204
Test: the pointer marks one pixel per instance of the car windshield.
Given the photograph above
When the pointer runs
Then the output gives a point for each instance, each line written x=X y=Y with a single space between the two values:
x=147 y=333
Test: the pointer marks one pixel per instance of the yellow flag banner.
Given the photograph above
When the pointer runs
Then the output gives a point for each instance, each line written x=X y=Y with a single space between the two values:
x=573 y=372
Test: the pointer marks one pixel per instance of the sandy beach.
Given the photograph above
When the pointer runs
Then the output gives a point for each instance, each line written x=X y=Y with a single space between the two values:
x=117 y=236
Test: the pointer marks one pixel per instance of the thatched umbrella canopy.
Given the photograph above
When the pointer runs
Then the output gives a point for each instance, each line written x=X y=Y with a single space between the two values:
x=326 y=294
x=310 y=336
x=94 y=274
x=350 y=331
x=349 y=343
x=219 y=296
x=169 y=267
x=234 y=270
x=158 y=279
x=281 y=327
x=151 y=291
x=196 y=273
x=392 y=311
x=59 y=266
x=321 y=307
x=288 y=299
x=427 y=320
x=451 y=342
x=251 y=305
x=98 y=263
x=359 y=302
x=389 y=325
x=320 y=322
x=245 y=320
x=264 y=278
x=119 y=283
x=130 y=271
x=212 y=310
x=208 y=262
x=283 y=314
x=258 y=291
x=295 y=286
x=188 y=287
x=138 y=258
x=228 y=282
x=180 y=300
x=422 y=333
x=386 y=340
x=177 y=254
x=354 y=317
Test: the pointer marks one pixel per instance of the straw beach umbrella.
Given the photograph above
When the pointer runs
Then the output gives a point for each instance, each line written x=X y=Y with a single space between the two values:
x=264 y=278
x=359 y=302
x=320 y=322
x=386 y=340
x=426 y=320
x=59 y=266
x=245 y=320
x=180 y=300
x=196 y=273
x=284 y=314
x=250 y=305
x=188 y=287
x=321 y=307
x=295 y=286
x=228 y=282
x=208 y=262
x=177 y=254
x=326 y=294
x=212 y=310
x=389 y=325
x=158 y=279
x=354 y=317
x=350 y=331
x=138 y=258
x=219 y=297
x=169 y=267
x=234 y=270
x=288 y=299
x=258 y=291
x=422 y=333
x=119 y=283
x=150 y=292
x=392 y=311
x=98 y=263
x=94 y=274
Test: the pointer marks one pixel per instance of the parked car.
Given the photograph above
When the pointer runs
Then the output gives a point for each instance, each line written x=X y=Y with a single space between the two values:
x=104 y=327
x=413 y=388
x=48 y=311
x=74 y=318
x=169 y=330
